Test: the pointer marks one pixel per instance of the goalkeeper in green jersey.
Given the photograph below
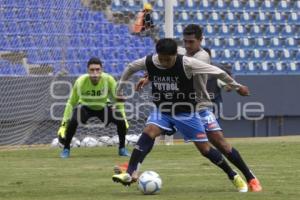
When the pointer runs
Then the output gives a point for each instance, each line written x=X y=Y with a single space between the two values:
x=89 y=98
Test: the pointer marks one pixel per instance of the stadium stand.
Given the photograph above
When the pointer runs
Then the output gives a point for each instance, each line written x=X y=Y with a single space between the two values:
x=261 y=36
x=41 y=30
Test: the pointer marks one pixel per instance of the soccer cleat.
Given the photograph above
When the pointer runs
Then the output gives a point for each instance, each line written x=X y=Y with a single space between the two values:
x=123 y=178
x=124 y=152
x=65 y=153
x=254 y=185
x=239 y=183
x=119 y=169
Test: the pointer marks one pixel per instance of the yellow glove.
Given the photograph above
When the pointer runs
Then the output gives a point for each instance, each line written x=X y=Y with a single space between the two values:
x=121 y=108
x=61 y=133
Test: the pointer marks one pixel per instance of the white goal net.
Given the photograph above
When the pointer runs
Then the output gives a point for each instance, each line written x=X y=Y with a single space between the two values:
x=45 y=45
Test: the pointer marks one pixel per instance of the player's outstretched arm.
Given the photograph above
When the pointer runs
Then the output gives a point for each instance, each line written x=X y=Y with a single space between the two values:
x=131 y=68
x=194 y=67
x=71 y=103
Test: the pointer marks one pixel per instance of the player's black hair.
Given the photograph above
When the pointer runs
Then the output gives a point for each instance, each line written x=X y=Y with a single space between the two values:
x=193 y=29
x=94 y=60
x=166 y=46
x=207 y=50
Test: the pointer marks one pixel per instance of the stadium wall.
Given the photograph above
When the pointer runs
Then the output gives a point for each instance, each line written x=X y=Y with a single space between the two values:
x=276 y=93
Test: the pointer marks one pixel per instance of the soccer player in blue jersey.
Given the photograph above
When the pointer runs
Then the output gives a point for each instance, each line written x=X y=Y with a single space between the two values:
x=192 y=36
x=173 y=89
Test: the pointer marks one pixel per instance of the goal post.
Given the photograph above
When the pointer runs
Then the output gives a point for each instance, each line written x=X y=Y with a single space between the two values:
x=169 y=33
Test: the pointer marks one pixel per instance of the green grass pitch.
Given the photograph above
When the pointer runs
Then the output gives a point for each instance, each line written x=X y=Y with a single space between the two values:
x=38 y=173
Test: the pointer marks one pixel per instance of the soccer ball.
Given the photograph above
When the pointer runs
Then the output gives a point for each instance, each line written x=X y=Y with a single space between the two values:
x=149 y=182
x=114 y=140
x=105 y=140
x=89 y=141
x=75 y=143
x=132 y=139
x=55 y=143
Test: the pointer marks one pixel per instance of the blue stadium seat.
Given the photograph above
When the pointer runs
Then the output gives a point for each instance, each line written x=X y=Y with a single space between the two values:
x=184 y=17
x=256 y=31
x=247 y=43
x=146 y=42
x=239 y=67
x=261 y=43
x=257 y=55
x=156 y=17
x=276 y=43
x=281 y=68
x=210 y=30
x=267 y=5
x=214 y=55
x=217 y=43
x=2 y=27
x=288 y=31
x=251 y=5
x=190 y=5
x=298 y=56
x=235 y=5
x=271 y=31
x=263 y=17
x=225 y=30
x=6 y=70
x=292 y=43
x=230 y=18
x=159 y=5
x=132 y=5
x=205 y=5
x=278 y=18
x=296 y=6
x=11 y=27
x=247 y=18
x=293 y=18
x=232 y=43
x=283 y=6
x=293 y=53
x=294 y=67
x=116 y=5
x=270 y=67
x=175 y=4
x=214 y=18
x=286 y=55
x=4 y=44
x=18 y=69
x=221 y=5
x=229 y=55
x=272 y=55
x=178 y=30
x=242 y=55
x=239 y=30
x=73 y=67
x=253 y=67
x=206 y=42
x=199 y=18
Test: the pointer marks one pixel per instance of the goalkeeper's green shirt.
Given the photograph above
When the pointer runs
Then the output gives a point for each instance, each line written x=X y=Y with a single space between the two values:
x=84 y=92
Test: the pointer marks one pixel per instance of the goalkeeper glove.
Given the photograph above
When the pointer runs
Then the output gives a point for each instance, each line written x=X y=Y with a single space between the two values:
x=62 y=133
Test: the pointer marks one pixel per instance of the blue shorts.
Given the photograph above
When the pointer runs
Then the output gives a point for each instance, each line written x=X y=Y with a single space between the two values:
x=188 y=124
x=209 y=121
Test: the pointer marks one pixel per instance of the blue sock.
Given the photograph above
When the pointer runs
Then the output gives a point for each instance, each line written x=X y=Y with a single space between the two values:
x=141 y=149
x=236 y=159
x=216 y=157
